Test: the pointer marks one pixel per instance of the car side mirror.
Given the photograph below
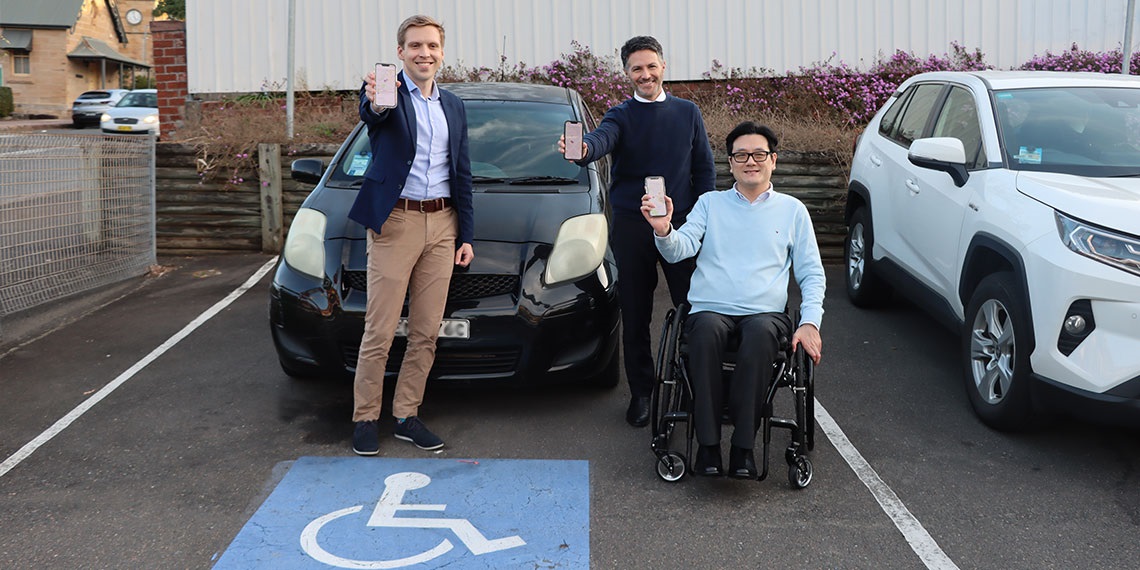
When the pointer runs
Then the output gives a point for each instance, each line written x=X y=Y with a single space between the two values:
x=308 y=170
x=941 y=153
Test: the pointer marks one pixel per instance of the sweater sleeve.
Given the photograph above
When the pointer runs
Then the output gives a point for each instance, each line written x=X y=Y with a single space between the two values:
x=808 y=268
x=602 y=140
x=704 y=168
x=685 y=241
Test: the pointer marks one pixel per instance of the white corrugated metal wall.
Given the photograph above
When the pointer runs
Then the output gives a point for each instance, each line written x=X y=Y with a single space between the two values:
x=239 y=45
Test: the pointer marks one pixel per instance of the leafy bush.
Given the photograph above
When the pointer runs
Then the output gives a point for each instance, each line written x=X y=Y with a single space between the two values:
x=7 y=104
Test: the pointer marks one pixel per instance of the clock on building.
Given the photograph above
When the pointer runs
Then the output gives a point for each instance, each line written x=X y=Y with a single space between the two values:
x=134 y=17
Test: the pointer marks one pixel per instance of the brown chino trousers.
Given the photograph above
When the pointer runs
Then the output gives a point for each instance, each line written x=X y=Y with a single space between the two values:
x=417 y=249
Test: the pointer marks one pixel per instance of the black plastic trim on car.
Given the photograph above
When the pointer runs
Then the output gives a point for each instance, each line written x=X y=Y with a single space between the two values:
x=1066 y=342
x=862 y=192
x=971 y=277
x=1119 y=406
x=1127 y=389
x=919 y=293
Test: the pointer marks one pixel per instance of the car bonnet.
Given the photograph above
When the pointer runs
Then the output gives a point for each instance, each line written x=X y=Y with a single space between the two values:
x=1109 y=202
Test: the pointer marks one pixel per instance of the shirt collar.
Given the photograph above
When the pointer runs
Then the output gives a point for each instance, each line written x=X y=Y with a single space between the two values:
x=415 y=90
x=660 y=98
x=762 y=197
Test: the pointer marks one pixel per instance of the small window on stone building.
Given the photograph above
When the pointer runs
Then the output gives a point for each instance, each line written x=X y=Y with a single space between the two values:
x=21 y=63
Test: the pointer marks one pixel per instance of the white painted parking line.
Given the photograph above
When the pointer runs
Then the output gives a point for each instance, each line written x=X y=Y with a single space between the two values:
x=920 y=541
x=105 y=391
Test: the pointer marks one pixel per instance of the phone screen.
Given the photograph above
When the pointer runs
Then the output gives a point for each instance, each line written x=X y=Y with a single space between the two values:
x=573 y=134
x=385 y=85
x=655 y=187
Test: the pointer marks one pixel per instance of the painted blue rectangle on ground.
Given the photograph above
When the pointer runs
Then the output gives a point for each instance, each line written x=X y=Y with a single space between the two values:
x=355 y=512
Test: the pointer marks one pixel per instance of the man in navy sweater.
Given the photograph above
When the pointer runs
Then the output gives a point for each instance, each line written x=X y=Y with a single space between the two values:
x=651 y=134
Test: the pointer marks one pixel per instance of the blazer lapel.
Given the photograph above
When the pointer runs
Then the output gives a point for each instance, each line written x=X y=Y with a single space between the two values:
x=408 y=110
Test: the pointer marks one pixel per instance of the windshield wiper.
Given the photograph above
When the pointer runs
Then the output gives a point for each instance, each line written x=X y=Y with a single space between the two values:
x=541 y=180
x=1126 y=175
x=487 y=179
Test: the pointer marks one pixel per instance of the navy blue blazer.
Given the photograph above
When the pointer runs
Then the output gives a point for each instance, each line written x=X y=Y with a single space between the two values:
x=392 y=135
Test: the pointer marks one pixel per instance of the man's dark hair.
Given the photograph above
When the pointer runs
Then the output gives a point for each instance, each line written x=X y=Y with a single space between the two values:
x=638 y=43
x=751 y=128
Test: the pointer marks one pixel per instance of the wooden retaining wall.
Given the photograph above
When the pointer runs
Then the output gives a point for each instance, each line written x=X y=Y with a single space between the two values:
x=197 y=215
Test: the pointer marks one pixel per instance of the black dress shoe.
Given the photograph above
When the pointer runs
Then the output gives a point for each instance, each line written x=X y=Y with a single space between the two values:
x=638 y=413
x=708 y=461
x=741 y=463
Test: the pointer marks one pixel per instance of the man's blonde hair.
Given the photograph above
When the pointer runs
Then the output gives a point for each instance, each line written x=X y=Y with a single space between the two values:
x=418 y=21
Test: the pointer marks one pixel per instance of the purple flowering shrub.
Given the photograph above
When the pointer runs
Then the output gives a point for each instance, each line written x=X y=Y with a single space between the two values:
x=1077 y=59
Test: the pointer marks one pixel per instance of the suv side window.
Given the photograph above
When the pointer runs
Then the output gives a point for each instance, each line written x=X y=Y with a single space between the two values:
x=887 y=125
x=959 y=119
x=917 y=113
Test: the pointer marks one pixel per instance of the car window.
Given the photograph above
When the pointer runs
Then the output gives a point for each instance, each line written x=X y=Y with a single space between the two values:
x=917 y=113
x=1089 y=131
x=95 y=95
x=959 y=119
x=139 y=100
x=887 y=125
x=507 y=140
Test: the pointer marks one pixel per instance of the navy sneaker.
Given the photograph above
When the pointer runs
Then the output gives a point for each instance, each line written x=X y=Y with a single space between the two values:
x=413 y=430
x=366 y=438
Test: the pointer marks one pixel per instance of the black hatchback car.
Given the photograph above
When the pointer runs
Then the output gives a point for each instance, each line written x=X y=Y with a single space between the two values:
x=538 y=303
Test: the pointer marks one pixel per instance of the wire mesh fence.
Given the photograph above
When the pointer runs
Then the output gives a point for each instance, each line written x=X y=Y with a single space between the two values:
x=76 y=213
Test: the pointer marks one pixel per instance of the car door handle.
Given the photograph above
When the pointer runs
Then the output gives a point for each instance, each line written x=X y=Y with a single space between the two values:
x=910 y=185
x=876 y=160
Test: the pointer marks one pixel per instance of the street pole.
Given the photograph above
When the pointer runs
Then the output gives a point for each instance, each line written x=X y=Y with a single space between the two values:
x=289 y=73
x=1128 y=17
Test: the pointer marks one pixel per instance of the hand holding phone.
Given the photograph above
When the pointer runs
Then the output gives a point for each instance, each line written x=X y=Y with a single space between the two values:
x=385 y=86
x=655 y=188
x=572 y=134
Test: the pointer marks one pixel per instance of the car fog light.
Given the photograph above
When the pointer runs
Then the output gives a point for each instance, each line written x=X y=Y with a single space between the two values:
x=1075 y=324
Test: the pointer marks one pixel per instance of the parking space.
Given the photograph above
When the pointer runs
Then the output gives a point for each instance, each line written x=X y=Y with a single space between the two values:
x=185 y=461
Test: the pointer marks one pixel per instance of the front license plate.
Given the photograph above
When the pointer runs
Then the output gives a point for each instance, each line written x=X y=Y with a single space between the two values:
x=124 y=128
x=449 y=328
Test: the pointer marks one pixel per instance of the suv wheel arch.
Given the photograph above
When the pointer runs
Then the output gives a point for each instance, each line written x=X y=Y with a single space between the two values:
x=986 y=255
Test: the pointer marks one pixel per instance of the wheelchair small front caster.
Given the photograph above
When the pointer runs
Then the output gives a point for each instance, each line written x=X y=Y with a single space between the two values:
x=671 y=466
x=799 y=472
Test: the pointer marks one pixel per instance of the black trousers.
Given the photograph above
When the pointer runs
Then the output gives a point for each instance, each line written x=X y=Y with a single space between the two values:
x=708 y=335
x=637 y=259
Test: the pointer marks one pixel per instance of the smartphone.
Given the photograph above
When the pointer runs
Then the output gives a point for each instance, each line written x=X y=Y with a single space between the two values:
x=572 y=131
x=385 y=85
x=655 y=187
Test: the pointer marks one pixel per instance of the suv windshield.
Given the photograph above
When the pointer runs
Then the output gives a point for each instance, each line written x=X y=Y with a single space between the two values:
x=511 y=142
x=139 y=100
x=1088 y=131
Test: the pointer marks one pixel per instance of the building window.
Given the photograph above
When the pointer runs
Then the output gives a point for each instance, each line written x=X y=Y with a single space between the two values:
x=22 y=63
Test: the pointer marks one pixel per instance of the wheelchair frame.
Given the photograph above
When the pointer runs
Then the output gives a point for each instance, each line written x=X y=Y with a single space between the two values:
x=672 y=405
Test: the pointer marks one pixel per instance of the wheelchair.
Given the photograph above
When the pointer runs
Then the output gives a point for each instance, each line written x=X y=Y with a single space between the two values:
x=671 y=406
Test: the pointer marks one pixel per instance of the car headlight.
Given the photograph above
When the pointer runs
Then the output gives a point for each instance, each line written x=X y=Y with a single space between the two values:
x=305 y=244
x=150 y=119
x=578 y=249
x=1106 y=246
x=104 y=118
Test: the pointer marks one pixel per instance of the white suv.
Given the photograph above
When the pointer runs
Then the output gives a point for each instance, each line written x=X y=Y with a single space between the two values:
x=1007 y=204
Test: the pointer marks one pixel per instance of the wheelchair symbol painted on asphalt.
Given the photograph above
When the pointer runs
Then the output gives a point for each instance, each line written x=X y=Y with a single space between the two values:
x=384 y=515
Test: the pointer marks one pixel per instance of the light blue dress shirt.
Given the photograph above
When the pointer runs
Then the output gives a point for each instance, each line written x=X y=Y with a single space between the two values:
x=430 y=175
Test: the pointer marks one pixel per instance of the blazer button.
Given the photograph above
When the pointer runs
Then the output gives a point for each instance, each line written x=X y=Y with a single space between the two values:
x=409 y=163
x=399 y=187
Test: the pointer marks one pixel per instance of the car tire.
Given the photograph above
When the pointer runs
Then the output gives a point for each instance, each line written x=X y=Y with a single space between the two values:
x=610 y=375
x=864 y=288
x=995 y=354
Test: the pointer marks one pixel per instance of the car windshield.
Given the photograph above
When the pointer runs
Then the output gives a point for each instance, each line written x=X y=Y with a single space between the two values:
x=511 y=142
x=1087 y=131
x=139 y=100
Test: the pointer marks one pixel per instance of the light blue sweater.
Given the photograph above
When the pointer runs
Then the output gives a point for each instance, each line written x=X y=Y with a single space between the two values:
x=745 y=252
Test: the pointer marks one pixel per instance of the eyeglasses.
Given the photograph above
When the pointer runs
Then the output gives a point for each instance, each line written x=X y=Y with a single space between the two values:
x=758 y=156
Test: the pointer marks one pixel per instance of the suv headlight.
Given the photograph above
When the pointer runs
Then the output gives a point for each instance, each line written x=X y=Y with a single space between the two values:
x=305 y=244
x=578 y=249
x=1106 y=246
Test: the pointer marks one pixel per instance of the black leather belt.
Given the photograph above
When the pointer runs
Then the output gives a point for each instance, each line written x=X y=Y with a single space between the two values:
x=424 y=205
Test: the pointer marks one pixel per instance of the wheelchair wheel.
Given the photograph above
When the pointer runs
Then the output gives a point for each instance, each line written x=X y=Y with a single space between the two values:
x=671 y=467
x=669 y=390
x=805 y=374
x=799 y=472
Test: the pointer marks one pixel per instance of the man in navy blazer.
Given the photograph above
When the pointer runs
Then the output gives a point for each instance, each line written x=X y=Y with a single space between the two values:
x=416 y=204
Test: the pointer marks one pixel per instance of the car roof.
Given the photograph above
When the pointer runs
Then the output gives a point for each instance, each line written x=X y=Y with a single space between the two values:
x=998 y=80
x=529 y=92
x=145 y=91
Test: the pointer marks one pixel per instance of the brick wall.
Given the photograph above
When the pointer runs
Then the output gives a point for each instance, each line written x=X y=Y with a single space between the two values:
x=170 y=73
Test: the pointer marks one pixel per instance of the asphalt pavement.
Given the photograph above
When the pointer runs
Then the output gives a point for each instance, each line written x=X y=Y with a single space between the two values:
x=194 y=425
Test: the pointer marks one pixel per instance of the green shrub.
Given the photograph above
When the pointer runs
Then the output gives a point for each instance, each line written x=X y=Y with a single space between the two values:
x=6 y=103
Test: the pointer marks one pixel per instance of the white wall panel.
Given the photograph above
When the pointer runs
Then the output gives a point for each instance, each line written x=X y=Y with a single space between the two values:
x=240 y=45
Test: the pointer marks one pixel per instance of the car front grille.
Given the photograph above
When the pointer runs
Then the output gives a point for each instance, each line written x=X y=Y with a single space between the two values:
x=447 y=363
x=464 y=286
x=125 y=121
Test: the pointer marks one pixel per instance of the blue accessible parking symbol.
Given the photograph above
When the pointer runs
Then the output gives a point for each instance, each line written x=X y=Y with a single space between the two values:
x=348 y=512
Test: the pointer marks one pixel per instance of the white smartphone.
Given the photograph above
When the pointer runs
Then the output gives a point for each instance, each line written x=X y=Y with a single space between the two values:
x=572 y=132
x=655 y=187
x=385 y=85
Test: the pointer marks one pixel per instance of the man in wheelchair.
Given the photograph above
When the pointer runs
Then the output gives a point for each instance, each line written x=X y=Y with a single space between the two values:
x=746 y=241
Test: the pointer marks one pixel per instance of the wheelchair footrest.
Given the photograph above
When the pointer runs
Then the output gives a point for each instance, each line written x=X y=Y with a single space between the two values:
x=783 y=423
x=680 y=416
